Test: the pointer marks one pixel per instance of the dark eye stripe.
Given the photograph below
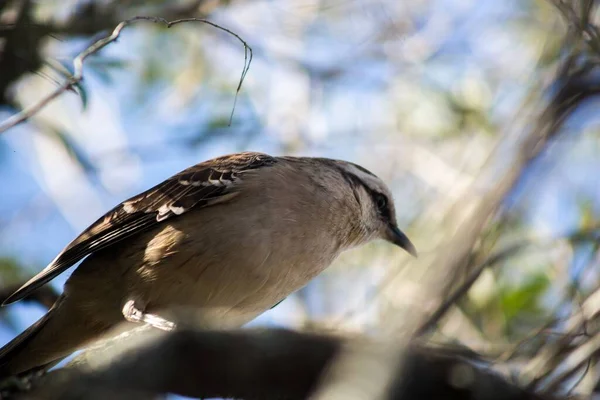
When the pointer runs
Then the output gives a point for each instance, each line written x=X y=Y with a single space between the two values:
x=355 y=182
x=385 y=211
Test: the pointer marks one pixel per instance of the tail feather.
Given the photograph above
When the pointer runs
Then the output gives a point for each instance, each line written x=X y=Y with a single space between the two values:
x=11 y=351
x=63 y=330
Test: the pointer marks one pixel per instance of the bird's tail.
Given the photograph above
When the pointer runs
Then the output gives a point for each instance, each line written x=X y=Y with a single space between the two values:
x=12 y=352
x=53 y=337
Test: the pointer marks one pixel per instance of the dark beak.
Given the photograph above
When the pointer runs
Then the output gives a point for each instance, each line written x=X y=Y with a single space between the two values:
x=400 y=239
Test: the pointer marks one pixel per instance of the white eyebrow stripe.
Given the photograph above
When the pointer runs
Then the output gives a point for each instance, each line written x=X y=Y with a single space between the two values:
x=371 y=181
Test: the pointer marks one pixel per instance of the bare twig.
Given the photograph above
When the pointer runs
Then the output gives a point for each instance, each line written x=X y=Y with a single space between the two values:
x=545 y=362
x=580 y=24
x=466 y=285
x=590 y=233
x=579 y=357
x=77 y=76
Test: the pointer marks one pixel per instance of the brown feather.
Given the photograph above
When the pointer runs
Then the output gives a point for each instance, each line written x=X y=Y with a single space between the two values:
x=201 y=185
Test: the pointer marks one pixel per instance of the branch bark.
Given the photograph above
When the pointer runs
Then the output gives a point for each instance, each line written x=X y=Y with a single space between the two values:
x=258 y=364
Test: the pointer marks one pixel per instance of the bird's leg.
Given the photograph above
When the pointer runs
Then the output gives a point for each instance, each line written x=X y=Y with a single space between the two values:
x=133 y=314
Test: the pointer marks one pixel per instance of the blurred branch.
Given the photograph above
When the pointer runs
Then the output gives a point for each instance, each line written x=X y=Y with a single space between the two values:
x=573 y=362
x=572 y=88
x=589 y=233
x=256 y=365
x=19 y=50
x=431 y=280
x=97 y=46
x=503 y=254
x=92 y=17
x=554 y=354
x=579 y=21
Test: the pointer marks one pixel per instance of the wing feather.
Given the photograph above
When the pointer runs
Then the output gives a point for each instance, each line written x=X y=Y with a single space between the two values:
x=202 y=185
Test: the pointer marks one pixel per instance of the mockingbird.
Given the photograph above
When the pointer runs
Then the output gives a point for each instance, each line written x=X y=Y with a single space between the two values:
x=229 y=237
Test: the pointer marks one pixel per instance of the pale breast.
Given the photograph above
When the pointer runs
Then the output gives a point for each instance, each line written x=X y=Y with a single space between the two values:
x=231 y=280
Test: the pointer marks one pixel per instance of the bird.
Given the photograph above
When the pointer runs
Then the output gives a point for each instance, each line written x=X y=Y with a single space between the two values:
x=231 y=237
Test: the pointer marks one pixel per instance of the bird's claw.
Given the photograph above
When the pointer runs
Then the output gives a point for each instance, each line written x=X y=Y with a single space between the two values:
x=133 y=314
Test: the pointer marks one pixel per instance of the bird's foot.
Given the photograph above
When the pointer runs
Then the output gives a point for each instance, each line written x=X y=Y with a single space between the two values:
x=133 y=314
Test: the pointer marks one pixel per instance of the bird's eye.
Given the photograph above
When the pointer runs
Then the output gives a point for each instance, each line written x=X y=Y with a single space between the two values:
x=381 y=202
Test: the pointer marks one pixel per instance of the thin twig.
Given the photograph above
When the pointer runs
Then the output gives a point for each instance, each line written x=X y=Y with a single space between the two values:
x=581 y=378
x=573 y=363
x=466 y=285
x=508 y=251
x=77 y=76
x=545 y=362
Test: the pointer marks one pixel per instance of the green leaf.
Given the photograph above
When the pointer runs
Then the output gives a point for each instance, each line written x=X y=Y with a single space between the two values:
x=102 y=67
x=74 y=150
x=83 y=95
x=11 y=271
x=524 y=299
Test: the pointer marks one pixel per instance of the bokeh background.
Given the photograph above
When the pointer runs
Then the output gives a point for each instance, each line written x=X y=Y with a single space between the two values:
x=431 y=95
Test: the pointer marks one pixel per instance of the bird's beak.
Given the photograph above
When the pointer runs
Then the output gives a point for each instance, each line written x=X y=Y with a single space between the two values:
x=398 y=237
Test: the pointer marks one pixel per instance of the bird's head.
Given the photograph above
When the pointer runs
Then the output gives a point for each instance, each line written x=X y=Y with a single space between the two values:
x=376 y=207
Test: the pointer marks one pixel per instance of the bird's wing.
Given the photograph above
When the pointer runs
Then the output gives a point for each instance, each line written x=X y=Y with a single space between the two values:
x=202 y=185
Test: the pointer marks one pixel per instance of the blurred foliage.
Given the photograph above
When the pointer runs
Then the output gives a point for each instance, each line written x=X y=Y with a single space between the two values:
x=522 y=305
x=11 y=271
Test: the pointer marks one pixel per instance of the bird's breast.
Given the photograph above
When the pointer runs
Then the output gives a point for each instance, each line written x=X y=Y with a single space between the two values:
x=231 y=275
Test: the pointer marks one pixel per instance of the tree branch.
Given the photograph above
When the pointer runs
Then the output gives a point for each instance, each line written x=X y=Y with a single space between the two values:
x=258 y=364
